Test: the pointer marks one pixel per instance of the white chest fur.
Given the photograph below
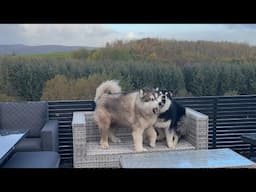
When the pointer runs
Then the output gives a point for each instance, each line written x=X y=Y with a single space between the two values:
x=163 y=124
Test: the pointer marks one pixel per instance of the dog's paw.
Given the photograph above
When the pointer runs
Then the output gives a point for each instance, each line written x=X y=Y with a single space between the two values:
x=116 y=140
x=141 y=149
x=171 y=145
x=104 y=145
x=153 y=144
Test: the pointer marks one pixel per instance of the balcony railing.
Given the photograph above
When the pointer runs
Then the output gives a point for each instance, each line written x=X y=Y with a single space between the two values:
x=229 y=117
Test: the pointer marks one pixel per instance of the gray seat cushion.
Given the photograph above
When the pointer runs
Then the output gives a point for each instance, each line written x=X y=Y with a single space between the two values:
x=41 y=159
x=24 y=115
x=29 y=144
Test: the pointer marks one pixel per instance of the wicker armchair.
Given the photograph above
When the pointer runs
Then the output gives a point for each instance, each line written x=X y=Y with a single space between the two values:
x=88 y=154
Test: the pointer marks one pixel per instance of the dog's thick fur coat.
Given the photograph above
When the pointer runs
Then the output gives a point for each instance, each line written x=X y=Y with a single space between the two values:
x=170 y=123
x=137 y=110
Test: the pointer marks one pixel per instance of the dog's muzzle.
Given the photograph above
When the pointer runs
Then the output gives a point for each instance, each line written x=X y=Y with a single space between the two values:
x=162 y=102
x=155 y=110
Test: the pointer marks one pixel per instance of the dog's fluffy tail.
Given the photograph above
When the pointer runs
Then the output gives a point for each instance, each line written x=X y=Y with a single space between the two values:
x=107 y=87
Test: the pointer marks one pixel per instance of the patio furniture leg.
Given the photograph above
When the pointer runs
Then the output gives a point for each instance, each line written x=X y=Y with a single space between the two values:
x=251 y=151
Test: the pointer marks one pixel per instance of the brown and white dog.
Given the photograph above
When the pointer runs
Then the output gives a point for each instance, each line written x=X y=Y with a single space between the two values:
x=138 y=110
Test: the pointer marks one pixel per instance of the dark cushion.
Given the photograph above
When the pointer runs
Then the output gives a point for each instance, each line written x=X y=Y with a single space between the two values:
x=42 y=159
x=29 y=144
x=49 y=136
x=25 y=115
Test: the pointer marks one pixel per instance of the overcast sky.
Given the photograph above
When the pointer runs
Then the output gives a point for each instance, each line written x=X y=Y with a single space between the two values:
x=97 y=35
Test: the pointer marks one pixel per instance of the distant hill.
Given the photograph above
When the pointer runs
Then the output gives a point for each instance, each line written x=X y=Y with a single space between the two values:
x=177 y=52
x=20 y=49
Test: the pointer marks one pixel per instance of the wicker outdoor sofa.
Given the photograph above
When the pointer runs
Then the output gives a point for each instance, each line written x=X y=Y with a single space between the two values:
x=88 y=154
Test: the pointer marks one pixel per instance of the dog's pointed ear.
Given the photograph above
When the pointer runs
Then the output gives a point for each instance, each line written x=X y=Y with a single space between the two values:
x=157 y=89
x=171 y=93
x=141 y=93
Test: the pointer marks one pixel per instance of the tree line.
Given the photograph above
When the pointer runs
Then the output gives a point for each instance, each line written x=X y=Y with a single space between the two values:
x=187 y=68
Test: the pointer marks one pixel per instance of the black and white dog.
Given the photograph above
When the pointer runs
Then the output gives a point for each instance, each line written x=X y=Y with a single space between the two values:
x=170 y=123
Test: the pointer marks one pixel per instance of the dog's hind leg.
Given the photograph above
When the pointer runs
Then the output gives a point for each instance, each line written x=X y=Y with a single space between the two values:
x=161 y=134
x=137 y=135
x=112 y=136
x=104 y=125
x=170 y=138
x=151 y=135
x=175 y=139
x=104 y=138
x=104 y=132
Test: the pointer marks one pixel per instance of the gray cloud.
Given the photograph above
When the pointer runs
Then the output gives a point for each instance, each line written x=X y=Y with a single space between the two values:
x=219 y=32
x=97 y=34
x=61 y=34
x=241 y=26
x=69 y=34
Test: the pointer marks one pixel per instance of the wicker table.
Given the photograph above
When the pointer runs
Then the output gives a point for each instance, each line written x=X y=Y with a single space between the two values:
x=214 y=158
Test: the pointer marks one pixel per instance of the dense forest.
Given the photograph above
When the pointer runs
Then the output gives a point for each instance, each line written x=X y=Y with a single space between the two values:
x=188 y=68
